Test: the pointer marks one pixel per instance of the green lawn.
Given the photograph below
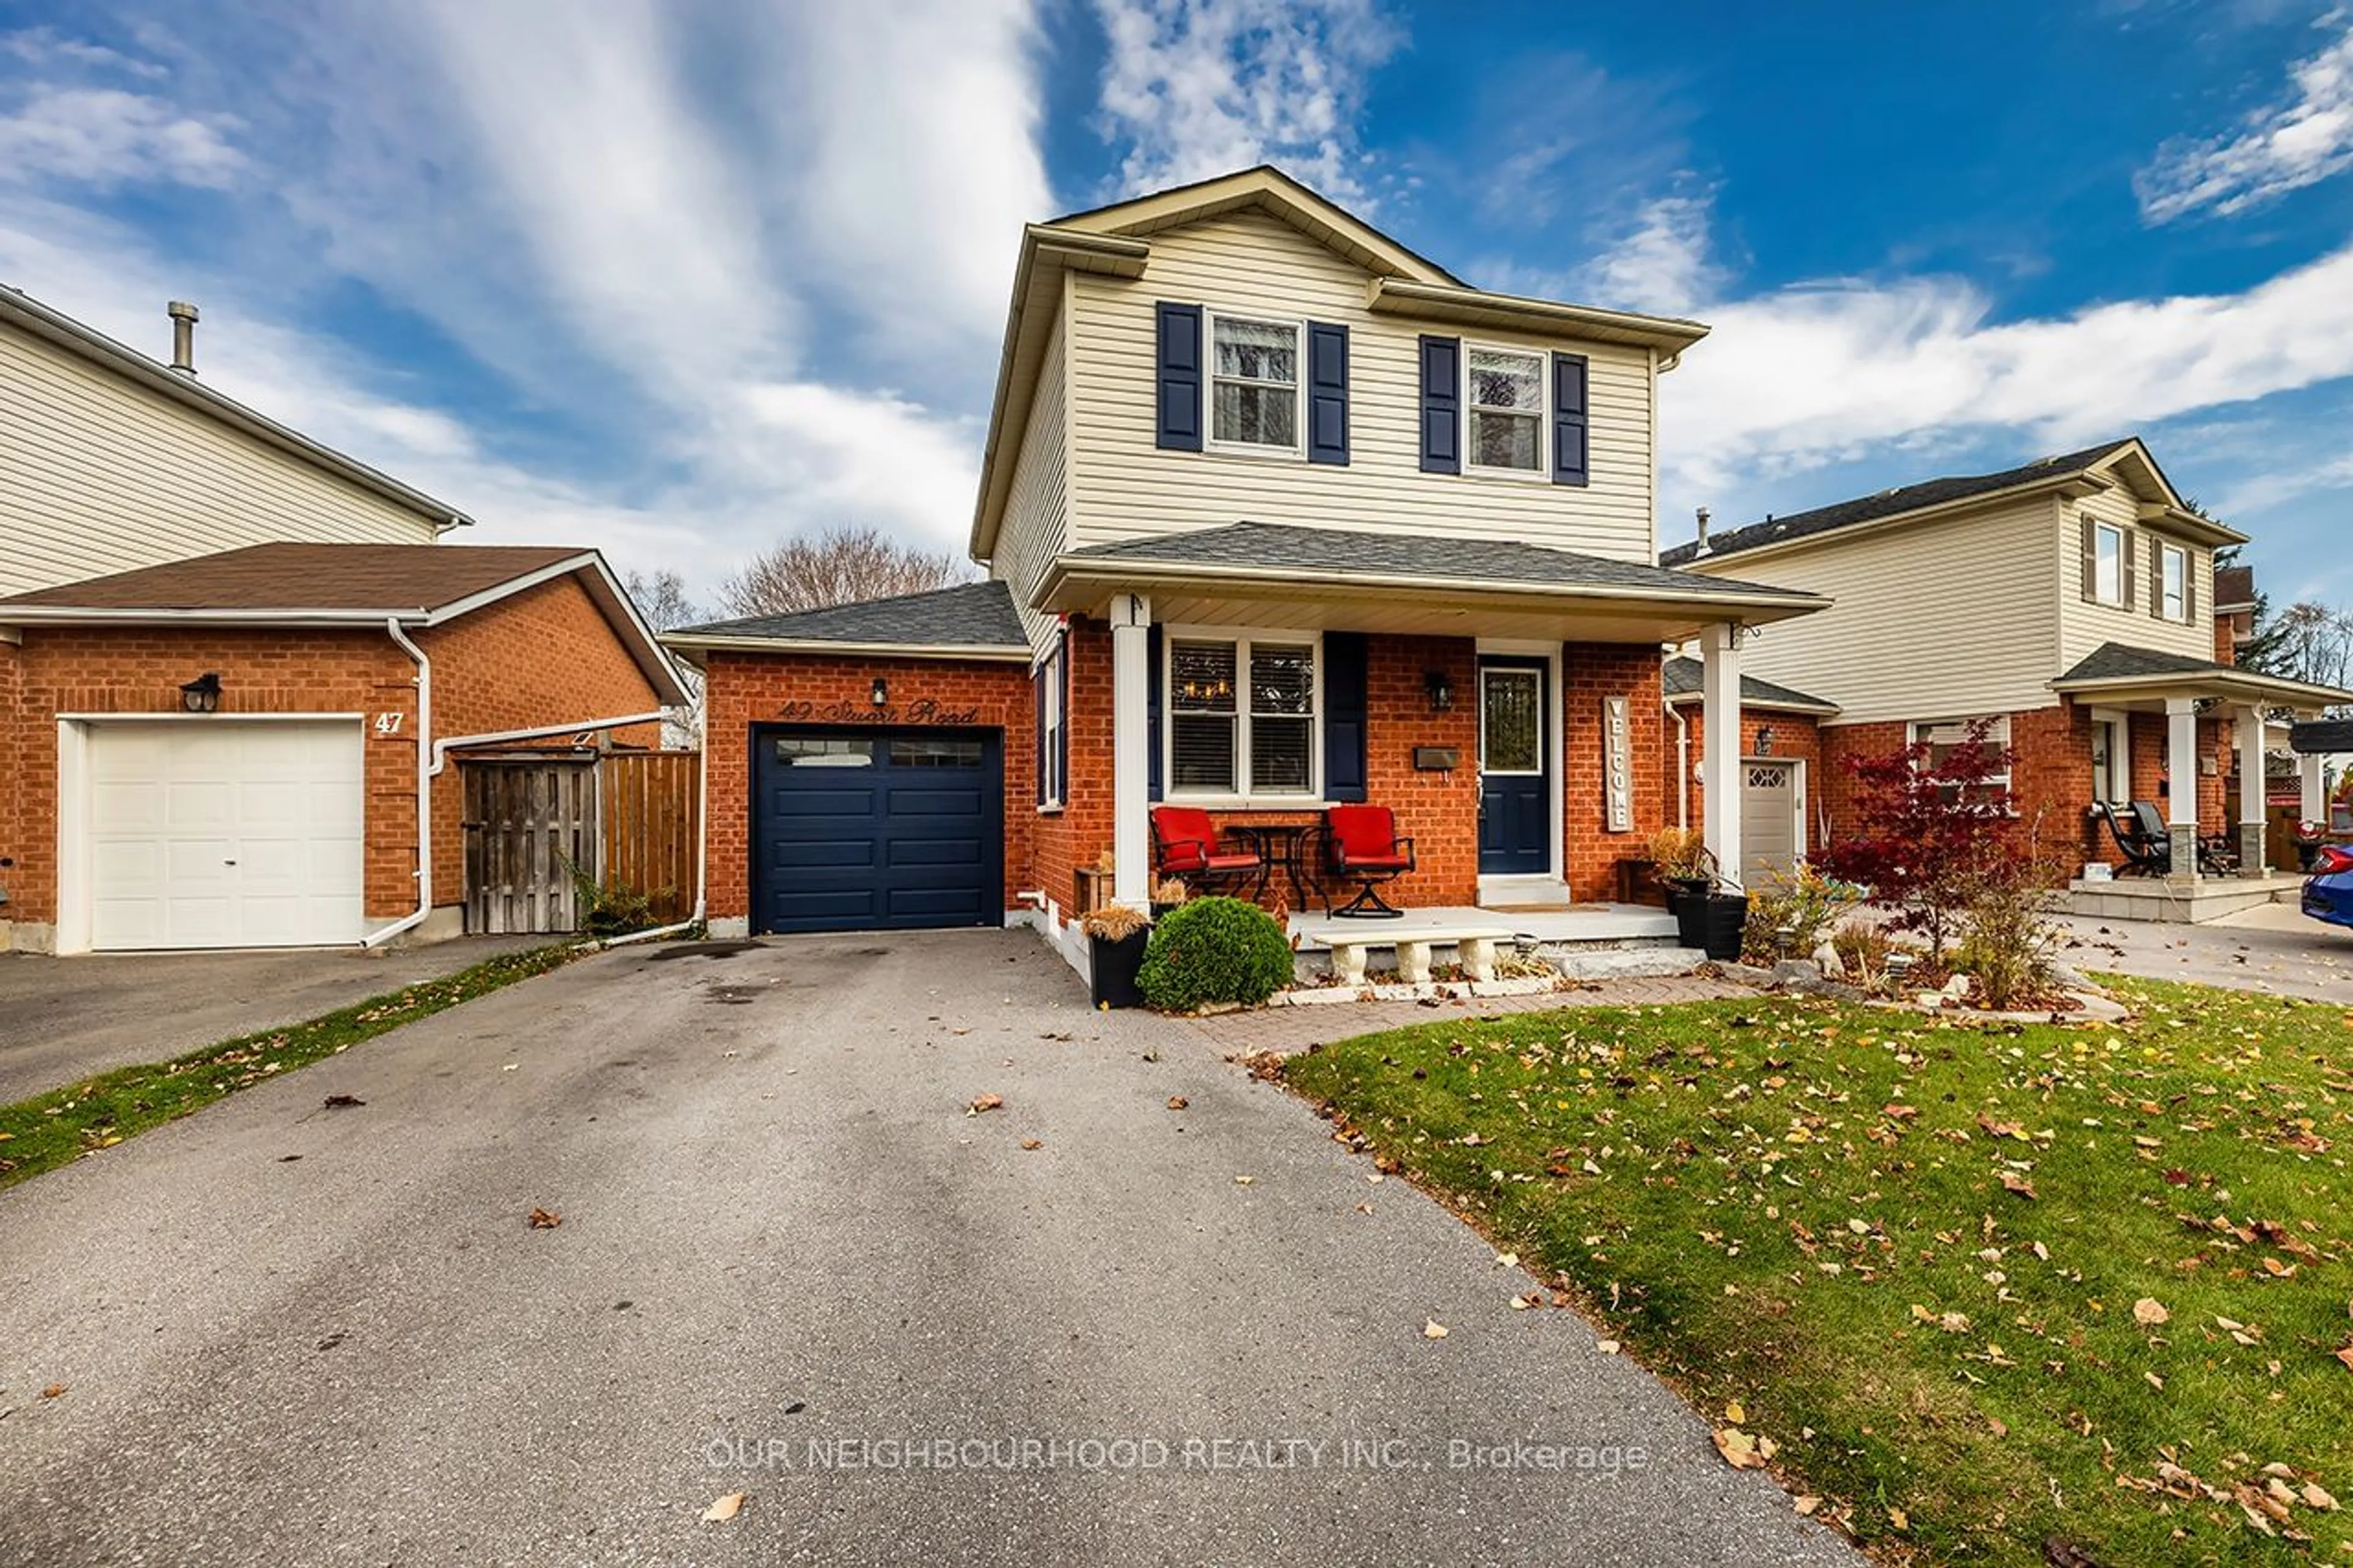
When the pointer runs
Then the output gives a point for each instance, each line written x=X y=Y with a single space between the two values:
x=1911 y=1252
x=97 y=1113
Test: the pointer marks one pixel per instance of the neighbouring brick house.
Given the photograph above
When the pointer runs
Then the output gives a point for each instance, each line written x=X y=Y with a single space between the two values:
x=237 y=671
x=1276 y=515
x=2072 y=606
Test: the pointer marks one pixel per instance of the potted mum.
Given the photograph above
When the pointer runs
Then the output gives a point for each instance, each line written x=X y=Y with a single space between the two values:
x=1116 y=938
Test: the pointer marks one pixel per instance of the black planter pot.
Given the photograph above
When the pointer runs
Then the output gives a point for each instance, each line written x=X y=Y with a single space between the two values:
x=1690 y=909
x=1724 y=922
x=1115 y=966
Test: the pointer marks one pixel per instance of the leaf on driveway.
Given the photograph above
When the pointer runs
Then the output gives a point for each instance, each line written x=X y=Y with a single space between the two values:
x=545 y=1219
x=724 y=1508
x=343 y=1102
x=1433 y=1329
x=53 y=1391
x=1740 y=1450
x=1606 y=1347
x=1033 y=1142
x=985 y=1102
x=1178 y=1102
x=2148 y=1312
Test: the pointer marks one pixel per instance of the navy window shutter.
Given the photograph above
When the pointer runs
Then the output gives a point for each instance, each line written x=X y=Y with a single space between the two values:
x=1442 y=406
x=1571 y=454
x=1153 y=747
x=1327 y=392
x=1179 y=332
x=1345 y=706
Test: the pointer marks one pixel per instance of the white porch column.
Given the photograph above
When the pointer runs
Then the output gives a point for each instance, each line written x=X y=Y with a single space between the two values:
x=2313 y=775
x=1720 y=761
x=2181 y=770
x=1130 y=743
x=2253 y=803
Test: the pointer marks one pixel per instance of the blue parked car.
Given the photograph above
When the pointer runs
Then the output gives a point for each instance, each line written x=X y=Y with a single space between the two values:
x=2328 y=893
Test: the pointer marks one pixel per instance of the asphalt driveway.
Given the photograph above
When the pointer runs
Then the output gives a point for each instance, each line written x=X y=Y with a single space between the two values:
x=65 y=1018
x=2275 y=948
x=791 y=1263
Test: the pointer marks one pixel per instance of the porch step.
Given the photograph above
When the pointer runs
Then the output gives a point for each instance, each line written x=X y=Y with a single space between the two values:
x=2163 y=899
x=1517 y=893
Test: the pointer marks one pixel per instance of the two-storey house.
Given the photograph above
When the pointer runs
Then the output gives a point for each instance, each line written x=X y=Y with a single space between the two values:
x=236 y=665
x=1276 y=514
x=2070 y=604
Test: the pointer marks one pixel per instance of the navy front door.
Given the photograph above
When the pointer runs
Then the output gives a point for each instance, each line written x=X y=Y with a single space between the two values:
x=1514 y=770
x=876 y=829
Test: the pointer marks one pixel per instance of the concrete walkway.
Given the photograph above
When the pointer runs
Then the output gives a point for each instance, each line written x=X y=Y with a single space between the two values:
x=787 y=1250
x=2273 y=949
x=67 y=1018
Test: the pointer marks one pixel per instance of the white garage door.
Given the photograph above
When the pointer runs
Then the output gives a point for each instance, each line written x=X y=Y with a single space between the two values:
x=1769 y=807
x=217 y=833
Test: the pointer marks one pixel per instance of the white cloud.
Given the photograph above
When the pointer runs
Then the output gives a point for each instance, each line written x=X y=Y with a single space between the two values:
x=49 y=50
x=1206 y=86
x=106 y=137
x=1662 y=264
x=2299 y=141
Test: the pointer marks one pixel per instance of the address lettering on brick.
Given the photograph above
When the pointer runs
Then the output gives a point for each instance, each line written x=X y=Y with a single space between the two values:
x=923 y=711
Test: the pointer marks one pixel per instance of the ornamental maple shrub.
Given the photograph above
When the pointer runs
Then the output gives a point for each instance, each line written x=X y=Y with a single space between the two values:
x=1936 y=825
x=1214 y=950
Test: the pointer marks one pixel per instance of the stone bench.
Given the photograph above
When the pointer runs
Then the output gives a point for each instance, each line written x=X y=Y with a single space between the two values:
x=1475 y=946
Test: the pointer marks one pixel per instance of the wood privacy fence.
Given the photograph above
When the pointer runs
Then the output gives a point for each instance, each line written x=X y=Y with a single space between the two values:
x=626 y=820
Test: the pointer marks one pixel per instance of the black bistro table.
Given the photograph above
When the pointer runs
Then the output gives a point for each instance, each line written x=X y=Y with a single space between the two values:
x=1288 y=847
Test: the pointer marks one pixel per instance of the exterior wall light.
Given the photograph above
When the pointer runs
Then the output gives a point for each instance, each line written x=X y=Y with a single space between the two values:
x=1764 y=741
x=881 y=692
x=1441 y=689
x=201 y=695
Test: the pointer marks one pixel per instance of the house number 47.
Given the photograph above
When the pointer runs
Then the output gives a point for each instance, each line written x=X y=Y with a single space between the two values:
x=389 y=724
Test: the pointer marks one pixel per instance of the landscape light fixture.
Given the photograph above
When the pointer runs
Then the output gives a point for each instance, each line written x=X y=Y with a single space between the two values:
x=201 y=695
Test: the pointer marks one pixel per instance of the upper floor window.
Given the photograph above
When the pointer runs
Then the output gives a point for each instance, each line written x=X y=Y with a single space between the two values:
x=1254 y=384
x=1506 y=410
x=1241 y=716
x=2173 y=583
x=2107 y=563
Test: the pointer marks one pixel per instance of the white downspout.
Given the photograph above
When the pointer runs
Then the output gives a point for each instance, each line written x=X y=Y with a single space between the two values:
x=1682 y=767
x=425 y=772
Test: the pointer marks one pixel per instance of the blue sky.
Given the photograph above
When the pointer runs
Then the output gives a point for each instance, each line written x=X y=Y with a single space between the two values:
x=682 y=280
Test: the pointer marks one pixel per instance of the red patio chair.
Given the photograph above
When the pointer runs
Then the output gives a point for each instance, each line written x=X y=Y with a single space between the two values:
x=1184 y=844
x=1362 y=846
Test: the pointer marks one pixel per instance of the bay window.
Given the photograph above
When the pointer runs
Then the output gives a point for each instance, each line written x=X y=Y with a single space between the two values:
x=1254 y=384
x=1241 y=716
x=1505 y=410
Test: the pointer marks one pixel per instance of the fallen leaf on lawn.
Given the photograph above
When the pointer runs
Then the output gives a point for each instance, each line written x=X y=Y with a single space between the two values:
x=985 y=1102
x=53 y=1390
x=2148 y=1312
x=1033 y=1142
x=545 y=1219
x=2278 y=1270
x=2345 y=1355
x=1178 y=1102
x=1899 y=1518
x=1741 y=1451
x=1999 y=1428
x=2154 y=1381
x=1606 y=1347
x=2313 y=1497
x=724 y=1508
x=1433 y=1329
x=1734 y=1413
x=2018 y=1183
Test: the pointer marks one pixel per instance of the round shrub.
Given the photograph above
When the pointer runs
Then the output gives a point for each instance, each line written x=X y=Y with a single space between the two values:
x=1214 y=950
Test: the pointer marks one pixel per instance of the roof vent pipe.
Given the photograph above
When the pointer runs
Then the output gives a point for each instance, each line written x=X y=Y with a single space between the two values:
x=184 y=336
x=1703 y=532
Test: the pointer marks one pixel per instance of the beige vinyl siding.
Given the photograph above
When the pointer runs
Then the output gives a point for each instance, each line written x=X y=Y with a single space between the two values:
x=1037 y=525
x=98 y=475
x=2083 y=627
x=1935 y=620
x=1255 y=264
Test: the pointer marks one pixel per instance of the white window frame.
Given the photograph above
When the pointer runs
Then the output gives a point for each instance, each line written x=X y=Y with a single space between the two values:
x=1051 y=671
x=2119 y=725
x=1998 y=733
x=1542 y=472
x=2102 y=533
x=2173 y=596
x=1242 y=796
x=1209 y=379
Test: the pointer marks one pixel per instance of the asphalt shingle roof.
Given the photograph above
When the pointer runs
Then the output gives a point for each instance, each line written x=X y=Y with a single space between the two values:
x=2116 y=661
x=1683 y=677
x=1889 y=503
x=1278 y=547
x=391 y=578
x=969 y=615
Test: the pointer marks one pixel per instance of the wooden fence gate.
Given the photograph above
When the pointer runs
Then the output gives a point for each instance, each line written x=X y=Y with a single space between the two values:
x=622 y=820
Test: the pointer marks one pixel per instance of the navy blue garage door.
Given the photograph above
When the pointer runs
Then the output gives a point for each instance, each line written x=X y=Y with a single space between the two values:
x=876 y=829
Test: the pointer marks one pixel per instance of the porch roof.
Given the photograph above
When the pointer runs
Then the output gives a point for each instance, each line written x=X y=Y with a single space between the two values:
x=1280 y=573
x=968 y=620
x=2122 y=673
x=1683 y=677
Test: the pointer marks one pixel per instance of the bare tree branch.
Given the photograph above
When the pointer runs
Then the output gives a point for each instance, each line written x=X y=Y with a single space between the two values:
x=842 y=565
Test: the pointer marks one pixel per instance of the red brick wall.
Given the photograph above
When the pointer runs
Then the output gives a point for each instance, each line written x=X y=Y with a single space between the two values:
x=139 y=670
x=546 y=656
x=748 y=689
x=1079 y=833
x=1797 y=736
x=1590 y=672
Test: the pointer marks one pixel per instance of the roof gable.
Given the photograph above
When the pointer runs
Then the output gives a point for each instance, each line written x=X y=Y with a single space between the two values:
x=1267 y=189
